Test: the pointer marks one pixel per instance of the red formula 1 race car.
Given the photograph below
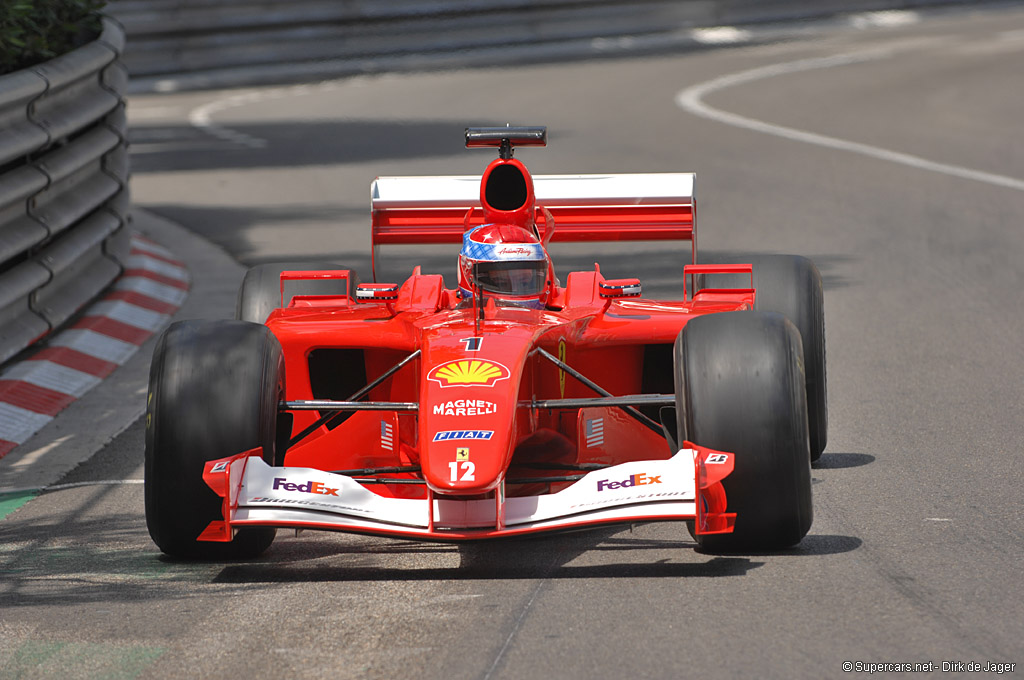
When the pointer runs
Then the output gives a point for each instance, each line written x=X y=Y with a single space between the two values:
x=508 y=405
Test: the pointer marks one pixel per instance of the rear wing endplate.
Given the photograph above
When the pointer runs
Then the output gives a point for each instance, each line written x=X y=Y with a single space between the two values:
x=621 y=207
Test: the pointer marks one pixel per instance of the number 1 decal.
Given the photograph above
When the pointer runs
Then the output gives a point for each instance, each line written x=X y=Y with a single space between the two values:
x=473 y=344
x=468 y=470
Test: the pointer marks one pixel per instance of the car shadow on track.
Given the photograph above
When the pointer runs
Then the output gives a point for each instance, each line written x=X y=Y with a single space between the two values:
x=811 y=546
x=550 y=557
x=509 y=570
x=838 y=461
x=718 y=566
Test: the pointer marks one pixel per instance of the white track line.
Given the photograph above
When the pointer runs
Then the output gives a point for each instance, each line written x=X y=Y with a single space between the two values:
x=691 y=100
x=201 y=117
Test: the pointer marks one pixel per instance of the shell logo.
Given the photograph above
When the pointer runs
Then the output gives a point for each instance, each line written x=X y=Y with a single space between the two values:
x=468 y=373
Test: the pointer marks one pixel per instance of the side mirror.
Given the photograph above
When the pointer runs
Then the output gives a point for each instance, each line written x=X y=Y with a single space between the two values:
x=619 y=288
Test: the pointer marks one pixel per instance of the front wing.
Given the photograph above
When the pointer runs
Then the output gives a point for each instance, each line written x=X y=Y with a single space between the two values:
x=684 y=487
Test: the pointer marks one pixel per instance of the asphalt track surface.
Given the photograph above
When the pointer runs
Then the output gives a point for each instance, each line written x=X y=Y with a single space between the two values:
x=891 y=157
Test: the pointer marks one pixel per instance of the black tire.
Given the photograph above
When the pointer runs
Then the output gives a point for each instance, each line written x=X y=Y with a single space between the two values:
x=213 y=392
x=740 y=388
x=260 y=293
x=791 y=285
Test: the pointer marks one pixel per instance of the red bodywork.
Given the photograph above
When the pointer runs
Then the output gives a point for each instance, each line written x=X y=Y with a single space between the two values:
x=603 y=339
x=472 y=436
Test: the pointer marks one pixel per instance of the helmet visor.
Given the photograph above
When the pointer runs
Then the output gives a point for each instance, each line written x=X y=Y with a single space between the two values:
x=518 y=277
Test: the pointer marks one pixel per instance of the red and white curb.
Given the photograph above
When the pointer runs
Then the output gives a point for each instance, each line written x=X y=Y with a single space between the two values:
x=76 y=359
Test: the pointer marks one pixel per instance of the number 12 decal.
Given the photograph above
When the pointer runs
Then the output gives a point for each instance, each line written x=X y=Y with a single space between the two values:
x=468 y=469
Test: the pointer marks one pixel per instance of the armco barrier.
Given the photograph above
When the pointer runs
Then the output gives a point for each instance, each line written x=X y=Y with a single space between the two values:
x=64 y=199
x=213 y=40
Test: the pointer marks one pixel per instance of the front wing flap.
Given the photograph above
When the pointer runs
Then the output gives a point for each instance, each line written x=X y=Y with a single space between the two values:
x=684 y=487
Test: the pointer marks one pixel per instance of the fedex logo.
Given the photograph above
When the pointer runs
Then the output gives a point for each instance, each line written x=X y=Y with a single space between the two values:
x=308 y=487
x=633 y=480
x=449 y=435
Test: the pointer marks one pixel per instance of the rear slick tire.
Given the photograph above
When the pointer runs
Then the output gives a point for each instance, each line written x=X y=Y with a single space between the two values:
x=740 y=388
x=214 y=388
x=790 y=285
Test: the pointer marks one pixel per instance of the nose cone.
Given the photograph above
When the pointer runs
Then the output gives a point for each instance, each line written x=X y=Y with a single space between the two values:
x=506 y=193
x=466 y=438
x=469 y=398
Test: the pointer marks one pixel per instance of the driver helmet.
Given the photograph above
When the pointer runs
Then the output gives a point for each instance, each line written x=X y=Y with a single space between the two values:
x=509 y=263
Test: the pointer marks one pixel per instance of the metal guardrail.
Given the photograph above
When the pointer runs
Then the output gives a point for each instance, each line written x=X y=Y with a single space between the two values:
x=64 y=200
x=180 y=36
x=174 y=37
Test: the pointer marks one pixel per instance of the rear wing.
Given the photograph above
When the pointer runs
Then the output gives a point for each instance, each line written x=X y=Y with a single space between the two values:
x=622 y=207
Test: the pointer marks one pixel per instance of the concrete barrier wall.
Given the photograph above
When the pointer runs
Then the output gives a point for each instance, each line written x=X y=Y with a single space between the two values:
x=63 y=187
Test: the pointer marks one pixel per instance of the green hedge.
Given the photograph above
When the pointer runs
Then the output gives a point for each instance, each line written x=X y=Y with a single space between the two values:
x=34 y=31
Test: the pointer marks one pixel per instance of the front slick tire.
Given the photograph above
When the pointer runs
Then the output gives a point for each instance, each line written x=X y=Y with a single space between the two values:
x=740 y=388
x=213 y=392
